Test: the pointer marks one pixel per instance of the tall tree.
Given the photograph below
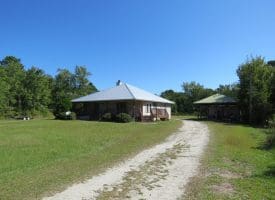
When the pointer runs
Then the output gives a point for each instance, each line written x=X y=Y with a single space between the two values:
x=82 y=85
x=4 y=93
x=63 y=91
x=172 y=96
x=231 y=90
x=196 y=91
x=69 y=85
x=272 y=97
x=15 y=75
x=192 y=91
x=37 y=87
x=255 y=78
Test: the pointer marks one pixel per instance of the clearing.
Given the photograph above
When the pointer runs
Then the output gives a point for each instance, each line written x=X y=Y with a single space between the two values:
x=41 y=157
x=235 y=165
x=160 y=172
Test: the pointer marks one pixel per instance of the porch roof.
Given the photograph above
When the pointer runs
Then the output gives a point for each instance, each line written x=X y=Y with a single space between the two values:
x=216 y=99
x=122 y=92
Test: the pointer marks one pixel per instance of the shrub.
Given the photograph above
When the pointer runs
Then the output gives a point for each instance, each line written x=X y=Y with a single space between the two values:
x=270 y=139
x=262 y=112
x=66 y=116
x=73 y=116
x=123 y=118
x=107 y=117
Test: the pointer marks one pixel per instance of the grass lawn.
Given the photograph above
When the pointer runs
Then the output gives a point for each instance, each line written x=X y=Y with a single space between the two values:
x=40 y=157
x=235 y=166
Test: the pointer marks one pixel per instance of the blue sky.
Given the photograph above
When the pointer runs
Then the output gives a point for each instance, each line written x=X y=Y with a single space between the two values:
x=152 y=44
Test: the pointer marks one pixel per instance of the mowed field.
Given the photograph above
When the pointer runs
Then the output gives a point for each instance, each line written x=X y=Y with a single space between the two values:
x=40 y=157
x=235 y=165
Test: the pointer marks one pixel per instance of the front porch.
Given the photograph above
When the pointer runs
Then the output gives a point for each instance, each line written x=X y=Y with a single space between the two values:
x=219 y=112
x=138 y=110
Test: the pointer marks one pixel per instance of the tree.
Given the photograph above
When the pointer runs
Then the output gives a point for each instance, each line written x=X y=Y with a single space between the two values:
x=15 y=74
x=4 y=93
x=31 y=92
x=184 y=100
x=255 y=78
x=67 y=86
x=63 y=91
x=37 y=87
x=172 y=96
x=82 y=85
x=196 y=91
x=272 y=97
x=230 y=90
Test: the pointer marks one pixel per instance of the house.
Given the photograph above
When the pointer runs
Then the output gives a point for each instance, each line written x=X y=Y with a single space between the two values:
x=218 y=107
x=123 y=98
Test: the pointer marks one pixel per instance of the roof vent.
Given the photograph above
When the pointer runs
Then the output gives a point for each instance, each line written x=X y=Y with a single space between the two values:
x=119 y=82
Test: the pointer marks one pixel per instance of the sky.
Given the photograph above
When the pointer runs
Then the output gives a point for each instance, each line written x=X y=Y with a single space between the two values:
x=152 y=44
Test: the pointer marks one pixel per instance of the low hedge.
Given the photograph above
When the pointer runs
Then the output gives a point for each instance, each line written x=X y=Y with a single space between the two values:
x=107 y=117
x=123 y=118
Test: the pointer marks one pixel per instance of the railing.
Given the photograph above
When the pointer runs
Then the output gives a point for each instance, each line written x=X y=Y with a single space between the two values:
x=159 y=113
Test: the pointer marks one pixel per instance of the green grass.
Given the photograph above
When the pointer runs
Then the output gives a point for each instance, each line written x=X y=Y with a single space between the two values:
x=40 y=157
x=235 y=166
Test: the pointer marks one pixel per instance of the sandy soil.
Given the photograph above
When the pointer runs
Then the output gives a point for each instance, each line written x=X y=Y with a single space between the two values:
x=160 y=172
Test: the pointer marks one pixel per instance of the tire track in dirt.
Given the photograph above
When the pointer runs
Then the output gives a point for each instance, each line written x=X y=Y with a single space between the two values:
x=160 y=172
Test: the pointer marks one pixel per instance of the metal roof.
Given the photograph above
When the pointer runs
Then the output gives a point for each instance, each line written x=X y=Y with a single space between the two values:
x=216 y=99
x=122 y=92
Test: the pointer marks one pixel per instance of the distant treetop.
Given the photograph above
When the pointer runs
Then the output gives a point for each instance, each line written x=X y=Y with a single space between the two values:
x=271 y=62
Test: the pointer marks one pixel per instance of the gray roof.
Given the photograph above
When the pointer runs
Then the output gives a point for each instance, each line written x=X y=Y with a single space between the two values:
x=122 y=92
x=216 y=99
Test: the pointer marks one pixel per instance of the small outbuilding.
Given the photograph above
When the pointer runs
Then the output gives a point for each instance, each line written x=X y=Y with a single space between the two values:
x=123 y=98
x=218 y=107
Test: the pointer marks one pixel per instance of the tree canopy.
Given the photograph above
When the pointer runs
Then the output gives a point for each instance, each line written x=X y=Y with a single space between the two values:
x=33 y=92
x=255 y=95
x=192 y=91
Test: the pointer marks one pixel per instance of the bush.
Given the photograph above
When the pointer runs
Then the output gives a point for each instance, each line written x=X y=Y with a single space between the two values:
x=73 y=116
x=66 y=116
x=262 y=112
x=107 y=117
x=270 y=139
x=123 y=118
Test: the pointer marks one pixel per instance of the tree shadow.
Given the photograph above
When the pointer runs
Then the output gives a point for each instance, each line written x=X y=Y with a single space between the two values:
x=269 y=142
x=223 y=122
x=270 y=171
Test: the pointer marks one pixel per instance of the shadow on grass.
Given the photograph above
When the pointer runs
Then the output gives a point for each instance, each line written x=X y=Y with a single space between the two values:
x=269 y=142
x=267 y=173
x=264 y=146
x=270 y=171
x=226 y=123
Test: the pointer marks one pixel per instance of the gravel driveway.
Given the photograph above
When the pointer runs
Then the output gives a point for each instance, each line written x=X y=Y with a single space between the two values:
x=161 y=172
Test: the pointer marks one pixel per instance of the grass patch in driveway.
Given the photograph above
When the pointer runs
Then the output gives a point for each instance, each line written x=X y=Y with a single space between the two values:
x=39 y=157
x=234 y=167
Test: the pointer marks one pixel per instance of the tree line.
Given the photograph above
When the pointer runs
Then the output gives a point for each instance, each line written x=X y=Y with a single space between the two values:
x=193 y=91
x=254 y=91
x=32 y=92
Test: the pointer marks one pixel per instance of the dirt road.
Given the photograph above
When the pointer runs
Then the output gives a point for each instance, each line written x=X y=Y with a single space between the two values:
x=161 y=172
